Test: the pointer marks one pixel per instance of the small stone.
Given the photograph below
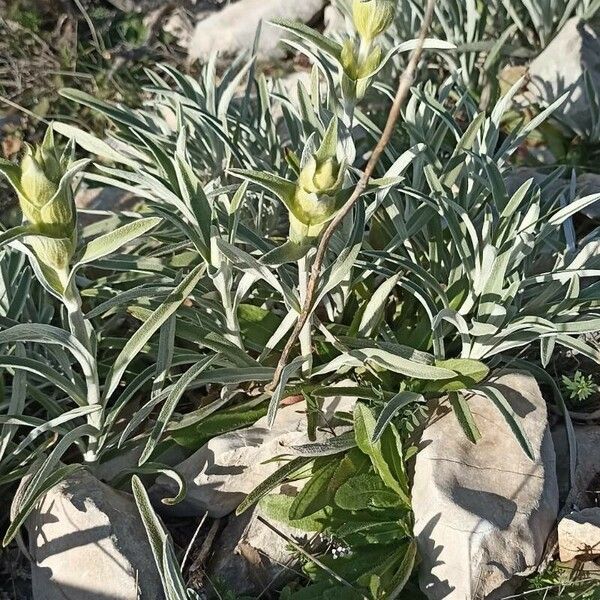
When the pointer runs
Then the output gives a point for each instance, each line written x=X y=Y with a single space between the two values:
x=579 y=535
x=483 y=512
x=233 y=29
x=88 y=542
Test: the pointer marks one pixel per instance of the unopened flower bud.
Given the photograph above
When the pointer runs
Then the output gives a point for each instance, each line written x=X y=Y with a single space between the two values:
x=357 y=70
x=373 y=17
x=320 y=179
x=46 y=200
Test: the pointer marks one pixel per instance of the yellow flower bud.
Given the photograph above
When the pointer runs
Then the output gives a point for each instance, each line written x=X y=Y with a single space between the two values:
x=372 y=17
x=357 y=71
x=46 y=199
x=319 y=178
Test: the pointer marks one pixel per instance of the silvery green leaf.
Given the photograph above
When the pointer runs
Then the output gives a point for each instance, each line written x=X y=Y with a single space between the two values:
x=150 y=327
x=110 y=242
x=391 y=409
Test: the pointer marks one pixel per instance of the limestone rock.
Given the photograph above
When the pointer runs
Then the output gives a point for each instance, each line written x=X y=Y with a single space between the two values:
x=579 y=535
x=560 y=68
x=230 y=466
x=233 y=29
x=250 y=555
x=88 y=542
x=483 y=511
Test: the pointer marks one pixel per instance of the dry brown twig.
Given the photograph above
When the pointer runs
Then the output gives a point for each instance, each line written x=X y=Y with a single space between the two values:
x=404 y=84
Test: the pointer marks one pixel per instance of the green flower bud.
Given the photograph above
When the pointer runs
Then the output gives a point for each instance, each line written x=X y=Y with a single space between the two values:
x=372 y=17
x=37 y=188
x=46 y=200
x=357 y=72
x=320 y=180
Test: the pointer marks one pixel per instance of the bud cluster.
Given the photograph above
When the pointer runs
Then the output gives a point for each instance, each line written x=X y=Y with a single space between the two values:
x=43 y=183
x=361 y=57
x=319 y=182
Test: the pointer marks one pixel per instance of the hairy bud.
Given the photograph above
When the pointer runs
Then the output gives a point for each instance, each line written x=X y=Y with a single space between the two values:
x=321 y=178
x=372 y=17
x=46 y=200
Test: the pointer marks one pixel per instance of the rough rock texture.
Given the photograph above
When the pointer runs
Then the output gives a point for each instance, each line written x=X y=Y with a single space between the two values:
x=587 y=469
x=233 y=29
x=87 y=542
x=579 y=535
x=250 y=556
x=560 y=68
x=483 y=512
x=228 y=467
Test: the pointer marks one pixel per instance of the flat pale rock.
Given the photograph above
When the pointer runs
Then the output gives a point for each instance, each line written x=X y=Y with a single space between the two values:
x=88 y=543
x=233 y=29
x=579 y=535
x=228 y=467
x=560 y=68
x=484 y=511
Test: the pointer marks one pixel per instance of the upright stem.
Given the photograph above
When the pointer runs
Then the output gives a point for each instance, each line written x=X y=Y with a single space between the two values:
x=306 y=333
x=402 y=92
x=79 y=329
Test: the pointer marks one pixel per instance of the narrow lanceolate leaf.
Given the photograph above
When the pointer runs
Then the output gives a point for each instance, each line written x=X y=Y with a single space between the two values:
x=170 y=404
x=110 y=242
x=43 y=479
x=309 y=34
x=375 y=307
x=404 y=571
x=92 y=144
x=160 y=543
x=391 y=409
x=335 y=445
x=150 y=327
x=289 y=469
x=17 y=402
x=509 y=414
x=47 y=372
x=15 y=233
x=313 y=496
x=288 y=371
x=465 y=416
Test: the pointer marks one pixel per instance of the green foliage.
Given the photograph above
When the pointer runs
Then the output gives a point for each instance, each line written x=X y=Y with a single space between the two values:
x=161 y=328
x=579 y=387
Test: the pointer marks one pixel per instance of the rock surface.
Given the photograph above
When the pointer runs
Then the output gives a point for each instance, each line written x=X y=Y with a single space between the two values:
x=228 y=467
x=483 y=511
x=560 y=68
x=233 y=29
x=579 y=535
x=88 y=543
x=250 y=556
x=587 y=468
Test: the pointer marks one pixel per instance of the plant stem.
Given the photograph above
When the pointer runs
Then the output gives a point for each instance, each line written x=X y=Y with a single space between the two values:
x=306 y=333
x=404 y=84
x=79 y=329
